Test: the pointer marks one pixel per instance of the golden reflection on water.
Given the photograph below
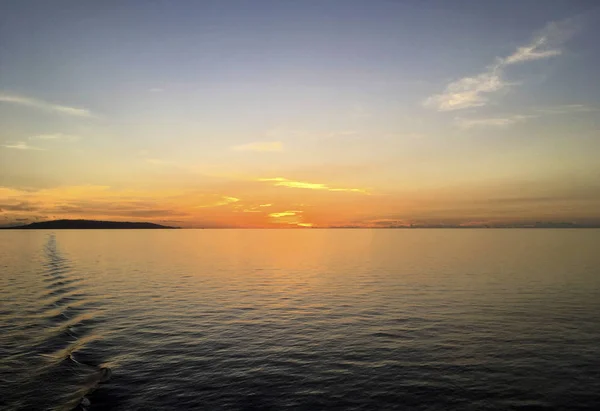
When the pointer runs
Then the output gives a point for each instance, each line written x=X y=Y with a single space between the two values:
x=296 y=305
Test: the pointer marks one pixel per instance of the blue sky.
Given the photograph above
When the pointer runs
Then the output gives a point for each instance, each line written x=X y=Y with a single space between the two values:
x=458 y=111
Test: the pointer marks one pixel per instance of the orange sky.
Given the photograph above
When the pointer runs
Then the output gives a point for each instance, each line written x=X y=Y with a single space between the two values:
x=290 y=114
x=278 y=202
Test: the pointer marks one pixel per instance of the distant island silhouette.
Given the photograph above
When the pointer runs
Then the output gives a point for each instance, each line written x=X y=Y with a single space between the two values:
x=97 y=224
x=87 y=225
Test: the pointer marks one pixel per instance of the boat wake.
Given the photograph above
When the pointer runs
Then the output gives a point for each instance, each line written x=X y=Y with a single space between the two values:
x=63 y=369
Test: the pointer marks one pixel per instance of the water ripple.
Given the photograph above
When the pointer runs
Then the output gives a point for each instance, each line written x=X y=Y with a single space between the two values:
x=271 y=320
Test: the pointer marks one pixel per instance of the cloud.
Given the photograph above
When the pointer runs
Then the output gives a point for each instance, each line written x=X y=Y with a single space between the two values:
x=55 y=137
x=475 y=91
x=44 y=105
x=388 y=222
x=21 y=145
x=284 y=182
x=156 y=90
x=567 y=108
x=285 y=214
x=492 y=121
x=19 y=206
x=530 y=53
x=260 y=146
x=101 y=202
x=518 y=118
x=252 y=209
x=547 y=43
x=224 y=200
x=290 y=217
x=231 y=199
x=467 y=92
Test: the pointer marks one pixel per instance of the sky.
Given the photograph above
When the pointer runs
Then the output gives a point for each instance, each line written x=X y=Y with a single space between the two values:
x=292 y=114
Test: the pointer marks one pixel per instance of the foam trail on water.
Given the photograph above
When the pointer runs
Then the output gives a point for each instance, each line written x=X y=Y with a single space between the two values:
x=69 y=332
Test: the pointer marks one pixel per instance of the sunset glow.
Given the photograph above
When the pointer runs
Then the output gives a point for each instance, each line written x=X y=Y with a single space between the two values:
x=298 y=116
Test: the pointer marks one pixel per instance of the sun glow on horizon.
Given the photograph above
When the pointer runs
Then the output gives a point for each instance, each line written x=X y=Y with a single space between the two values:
x=253 y=123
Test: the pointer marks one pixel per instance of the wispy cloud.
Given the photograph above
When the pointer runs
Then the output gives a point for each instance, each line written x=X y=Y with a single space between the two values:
x=513 y=119
x=224 y=200
x=55 y=137
x=474 y=91
x=567 y=108
x=291 y=218
x=196 y=207
x=547 y=43
x=467 y=92
x=252 y=209
x=492 y=121
x=44 y=105
x=284 y=182
x=260 y=146
x=21 y=145
x=285 y=214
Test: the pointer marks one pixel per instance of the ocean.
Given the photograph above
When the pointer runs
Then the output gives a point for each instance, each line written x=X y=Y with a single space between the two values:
x=315 y=319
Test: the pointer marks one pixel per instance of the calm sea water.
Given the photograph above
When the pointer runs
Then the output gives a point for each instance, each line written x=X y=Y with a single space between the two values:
x=300 y=319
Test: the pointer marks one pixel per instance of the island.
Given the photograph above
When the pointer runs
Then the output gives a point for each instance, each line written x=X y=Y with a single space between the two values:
x=87 y=225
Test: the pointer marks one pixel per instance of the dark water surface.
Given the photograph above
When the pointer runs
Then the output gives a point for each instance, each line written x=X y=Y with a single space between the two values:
x=300 y=319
